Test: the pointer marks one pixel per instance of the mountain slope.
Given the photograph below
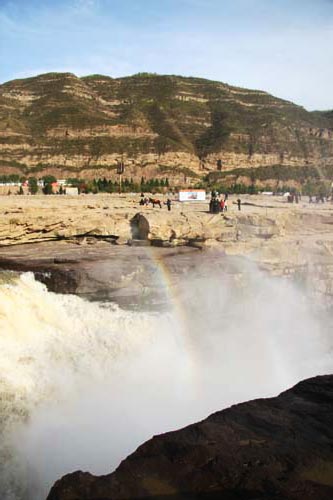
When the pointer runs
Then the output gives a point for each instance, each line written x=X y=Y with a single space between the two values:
x=60 y=124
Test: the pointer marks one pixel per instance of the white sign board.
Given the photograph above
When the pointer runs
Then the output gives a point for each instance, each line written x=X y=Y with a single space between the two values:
x=194 y=195
x=72 y=191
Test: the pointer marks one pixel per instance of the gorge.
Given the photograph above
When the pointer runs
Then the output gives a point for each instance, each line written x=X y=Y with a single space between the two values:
x=149 y=332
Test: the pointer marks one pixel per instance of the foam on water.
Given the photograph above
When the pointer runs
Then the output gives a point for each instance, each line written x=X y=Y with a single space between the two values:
x=83 y=384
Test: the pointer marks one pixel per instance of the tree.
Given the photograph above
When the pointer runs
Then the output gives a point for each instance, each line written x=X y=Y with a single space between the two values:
x=100 y=185
x=33 y=185
x=47 y=189
x=110 y=186
x=49 y=179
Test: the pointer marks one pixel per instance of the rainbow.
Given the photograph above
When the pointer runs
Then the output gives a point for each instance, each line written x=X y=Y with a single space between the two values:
x=164 y=277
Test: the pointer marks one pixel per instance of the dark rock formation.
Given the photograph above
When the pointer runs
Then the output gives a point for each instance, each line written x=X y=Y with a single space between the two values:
x=102 y=271
x=279 y=448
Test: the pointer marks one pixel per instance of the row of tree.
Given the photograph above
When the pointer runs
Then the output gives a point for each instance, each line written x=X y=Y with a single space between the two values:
x=101 y=185
x=309 y=188
x=127 y=186
x=48 y=180
x=4 y=179
x=15 y=178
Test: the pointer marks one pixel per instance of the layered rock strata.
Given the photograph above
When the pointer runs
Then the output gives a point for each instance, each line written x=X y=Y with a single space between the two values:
x=161 y=126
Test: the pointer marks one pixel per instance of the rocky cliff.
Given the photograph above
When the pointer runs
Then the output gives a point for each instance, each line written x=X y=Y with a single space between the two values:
x=279 y=448
x=293 y=240
x=162 y=126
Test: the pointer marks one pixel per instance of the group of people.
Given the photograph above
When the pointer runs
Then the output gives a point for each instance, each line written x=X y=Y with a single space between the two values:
x=217 y=205
x=320 y=198
x=294 y=197
x=144 y=201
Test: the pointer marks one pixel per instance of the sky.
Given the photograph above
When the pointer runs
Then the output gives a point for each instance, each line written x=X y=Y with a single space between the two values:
x=282 y=46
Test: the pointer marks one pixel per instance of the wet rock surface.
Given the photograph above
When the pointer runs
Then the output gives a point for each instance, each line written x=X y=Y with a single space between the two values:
x=279 y=448
x=99 y=272
x=134 y=277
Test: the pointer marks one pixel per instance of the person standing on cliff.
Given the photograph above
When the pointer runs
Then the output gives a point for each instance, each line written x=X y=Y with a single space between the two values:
x=239 y=203
x=168 y=204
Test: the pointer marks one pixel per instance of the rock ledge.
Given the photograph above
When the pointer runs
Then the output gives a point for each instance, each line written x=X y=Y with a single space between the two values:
x=279 y=448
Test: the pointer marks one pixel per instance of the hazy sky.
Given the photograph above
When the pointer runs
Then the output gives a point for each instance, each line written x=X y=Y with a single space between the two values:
x=282 y=46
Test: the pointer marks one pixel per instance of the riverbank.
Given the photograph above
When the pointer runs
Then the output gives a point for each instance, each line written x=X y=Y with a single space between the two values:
x=120 y=219
x=107 y=245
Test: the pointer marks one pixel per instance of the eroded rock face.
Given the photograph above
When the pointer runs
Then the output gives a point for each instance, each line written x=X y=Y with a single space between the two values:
x=163 y=126
x=278 y=448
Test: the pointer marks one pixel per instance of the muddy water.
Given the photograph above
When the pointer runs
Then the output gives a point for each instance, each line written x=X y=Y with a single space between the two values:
x=153 y=339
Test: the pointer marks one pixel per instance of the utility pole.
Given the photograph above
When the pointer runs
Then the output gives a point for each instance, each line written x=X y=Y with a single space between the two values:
x=120 y=171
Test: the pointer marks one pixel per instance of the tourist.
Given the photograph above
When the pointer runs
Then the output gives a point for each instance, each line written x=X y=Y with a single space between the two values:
x=222 y=205
x=168 y=204
x=226 y=204
x=239 y=202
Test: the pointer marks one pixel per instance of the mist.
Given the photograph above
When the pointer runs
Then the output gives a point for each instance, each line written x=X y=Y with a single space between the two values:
x=96 y=381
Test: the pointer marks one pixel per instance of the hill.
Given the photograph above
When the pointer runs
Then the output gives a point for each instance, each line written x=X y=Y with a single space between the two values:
x=162 y=126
